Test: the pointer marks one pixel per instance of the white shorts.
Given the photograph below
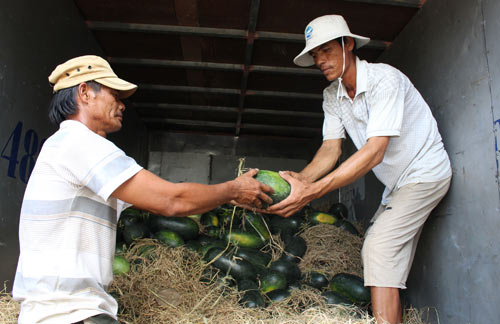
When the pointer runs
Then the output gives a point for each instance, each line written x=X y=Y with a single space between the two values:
x=391 y=240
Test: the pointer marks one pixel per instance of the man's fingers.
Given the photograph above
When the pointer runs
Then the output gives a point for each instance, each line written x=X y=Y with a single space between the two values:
x=266 y=198
x=257 y=203
x=252 y=208
x=278 y=207
x=267 y=188
x=237 y=204
x=288 y=211
x=283 y=208
x=287 y=176
x=281 y=205
x=284 y=213
x=296 y=175
x=252 y=172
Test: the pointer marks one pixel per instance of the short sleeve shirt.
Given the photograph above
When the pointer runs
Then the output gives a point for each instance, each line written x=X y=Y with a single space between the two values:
x=387 y=104
x=67 y=228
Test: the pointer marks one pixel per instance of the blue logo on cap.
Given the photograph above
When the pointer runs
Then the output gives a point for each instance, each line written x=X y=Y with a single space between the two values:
x=308 y=32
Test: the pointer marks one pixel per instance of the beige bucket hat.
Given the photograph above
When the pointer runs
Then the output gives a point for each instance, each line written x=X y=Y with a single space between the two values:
x=89 y=68
x=321 y=30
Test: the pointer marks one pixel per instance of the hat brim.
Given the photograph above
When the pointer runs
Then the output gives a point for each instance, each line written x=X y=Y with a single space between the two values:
x=305 y=59
x=126 y=88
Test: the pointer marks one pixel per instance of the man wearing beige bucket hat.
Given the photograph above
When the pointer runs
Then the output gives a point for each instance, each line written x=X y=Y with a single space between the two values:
x=80 y=184
x=397 y=138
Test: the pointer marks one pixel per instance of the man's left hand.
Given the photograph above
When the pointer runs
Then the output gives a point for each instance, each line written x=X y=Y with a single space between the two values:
x=300 y=195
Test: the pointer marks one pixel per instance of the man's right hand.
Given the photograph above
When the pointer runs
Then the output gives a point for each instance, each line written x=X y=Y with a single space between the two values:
x=302 y=192
x=297 y=176
x=250 y=192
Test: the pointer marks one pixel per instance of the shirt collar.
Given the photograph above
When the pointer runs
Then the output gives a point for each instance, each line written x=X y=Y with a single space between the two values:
x=361 y=76
x=70 y=123
x=361 y=80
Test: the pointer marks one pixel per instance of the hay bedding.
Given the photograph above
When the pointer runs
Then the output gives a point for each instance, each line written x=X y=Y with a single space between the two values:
x=168 y=289
x=9 y=309
x=331 y=250
x=165 y=287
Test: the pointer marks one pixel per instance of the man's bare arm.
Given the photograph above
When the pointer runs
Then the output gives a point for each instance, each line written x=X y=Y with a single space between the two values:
x=356 y=166
x=324 y=160
x=150 y=192
x=371 y=154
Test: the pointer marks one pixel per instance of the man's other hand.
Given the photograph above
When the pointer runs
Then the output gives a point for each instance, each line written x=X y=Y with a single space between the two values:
x=250 y=192
x=300 y=195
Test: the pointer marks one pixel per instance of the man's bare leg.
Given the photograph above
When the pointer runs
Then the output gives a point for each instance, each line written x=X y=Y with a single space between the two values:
x=386 y=305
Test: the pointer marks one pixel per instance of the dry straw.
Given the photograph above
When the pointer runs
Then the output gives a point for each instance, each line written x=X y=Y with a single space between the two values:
x=9 y=309
x=165 y=286
x=331 y=250
x=172 y=285
x=169 y=289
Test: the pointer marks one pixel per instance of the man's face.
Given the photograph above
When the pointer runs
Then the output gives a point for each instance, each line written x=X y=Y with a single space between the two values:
x=106 y=110
x=328 y=58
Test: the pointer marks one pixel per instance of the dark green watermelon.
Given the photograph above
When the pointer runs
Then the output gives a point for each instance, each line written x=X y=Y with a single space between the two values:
x=273 y=179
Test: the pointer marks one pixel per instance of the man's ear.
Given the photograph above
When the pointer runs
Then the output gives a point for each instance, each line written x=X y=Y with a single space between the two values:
x=349 y=43
x=83 y=92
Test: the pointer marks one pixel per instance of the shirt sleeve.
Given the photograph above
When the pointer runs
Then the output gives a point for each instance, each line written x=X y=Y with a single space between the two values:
x=108 y=177
x=332 y=123
x=386 y=102
x=98 y=164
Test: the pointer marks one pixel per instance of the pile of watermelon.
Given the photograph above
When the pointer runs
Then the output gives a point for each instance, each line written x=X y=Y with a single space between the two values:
x=236 y=245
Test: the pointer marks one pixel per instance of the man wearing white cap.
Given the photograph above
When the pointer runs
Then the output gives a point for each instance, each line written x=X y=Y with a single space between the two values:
x=396 y=137
x=80 y=184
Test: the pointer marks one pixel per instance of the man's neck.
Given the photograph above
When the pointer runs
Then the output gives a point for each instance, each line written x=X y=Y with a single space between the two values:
x=349 y=78
x=82 y=119
x=102 y=133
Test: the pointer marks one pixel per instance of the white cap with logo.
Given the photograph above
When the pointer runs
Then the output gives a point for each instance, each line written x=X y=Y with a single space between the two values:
x=321 y=30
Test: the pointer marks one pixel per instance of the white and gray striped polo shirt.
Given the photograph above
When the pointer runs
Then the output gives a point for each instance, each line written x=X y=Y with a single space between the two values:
x=387 y=104
x=67 y=228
